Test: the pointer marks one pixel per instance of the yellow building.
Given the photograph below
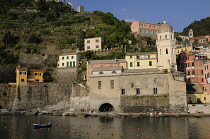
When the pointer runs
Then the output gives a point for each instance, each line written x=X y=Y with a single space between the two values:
x=199 y=97
x=25 y=75
x=142 y=60
x=180 y=49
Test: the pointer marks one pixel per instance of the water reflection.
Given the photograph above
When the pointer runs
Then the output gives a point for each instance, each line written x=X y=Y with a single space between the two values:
x=20 y=127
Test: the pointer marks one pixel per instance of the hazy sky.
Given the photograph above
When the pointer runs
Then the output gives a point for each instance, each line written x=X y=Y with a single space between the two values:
x=178 y=13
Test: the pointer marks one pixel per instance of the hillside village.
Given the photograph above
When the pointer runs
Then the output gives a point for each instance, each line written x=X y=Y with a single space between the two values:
x=166 y=75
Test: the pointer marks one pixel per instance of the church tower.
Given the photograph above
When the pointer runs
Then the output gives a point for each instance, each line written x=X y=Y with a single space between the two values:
x=166 y=48
x=190 y=33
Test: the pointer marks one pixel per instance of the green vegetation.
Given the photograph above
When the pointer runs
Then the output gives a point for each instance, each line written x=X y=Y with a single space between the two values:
x=200 y=28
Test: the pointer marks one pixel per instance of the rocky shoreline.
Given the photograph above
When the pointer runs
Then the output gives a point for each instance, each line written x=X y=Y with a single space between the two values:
x=105 y=114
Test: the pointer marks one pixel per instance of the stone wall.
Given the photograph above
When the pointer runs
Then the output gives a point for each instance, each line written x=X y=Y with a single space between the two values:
x=65 y=75
x=48 y=97
x=144 y=103
x=7 y=95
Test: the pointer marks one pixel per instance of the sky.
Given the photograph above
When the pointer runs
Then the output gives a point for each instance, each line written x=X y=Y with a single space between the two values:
x=178 y=13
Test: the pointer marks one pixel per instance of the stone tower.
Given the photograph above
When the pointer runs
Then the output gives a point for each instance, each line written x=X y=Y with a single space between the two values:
x=190 y=33
x=166 y=48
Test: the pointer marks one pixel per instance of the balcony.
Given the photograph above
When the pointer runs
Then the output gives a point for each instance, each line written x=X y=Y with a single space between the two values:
x=188 y=68
x=190 y=76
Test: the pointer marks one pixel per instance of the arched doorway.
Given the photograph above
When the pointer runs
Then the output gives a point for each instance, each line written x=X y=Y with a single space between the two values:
x=106 y=107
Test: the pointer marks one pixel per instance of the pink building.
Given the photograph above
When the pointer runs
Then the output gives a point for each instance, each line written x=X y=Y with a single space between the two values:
x=196 y=65
x=103 y=63
x=201 y=39
x=144 y=29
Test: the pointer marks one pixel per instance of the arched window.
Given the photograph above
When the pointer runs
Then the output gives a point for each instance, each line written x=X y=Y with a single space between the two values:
x=166 y=50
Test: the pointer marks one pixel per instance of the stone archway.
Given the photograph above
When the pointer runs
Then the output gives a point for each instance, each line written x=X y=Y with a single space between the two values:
x=106 y=107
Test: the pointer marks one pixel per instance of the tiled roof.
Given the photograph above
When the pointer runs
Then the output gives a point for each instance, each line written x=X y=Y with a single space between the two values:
x=140 y=53
x=23 y=68
x=64 y=54
x=107 y=68
x=38 y=70
x=111 y=61
x=141 y=70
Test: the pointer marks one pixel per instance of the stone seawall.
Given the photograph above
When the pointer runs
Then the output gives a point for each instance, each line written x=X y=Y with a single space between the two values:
x=144 y=103
x=49 y=97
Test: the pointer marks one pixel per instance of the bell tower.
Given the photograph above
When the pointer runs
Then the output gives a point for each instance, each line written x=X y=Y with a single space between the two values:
x=166 y=48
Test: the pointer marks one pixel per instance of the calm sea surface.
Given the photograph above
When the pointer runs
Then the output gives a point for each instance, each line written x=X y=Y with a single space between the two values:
x=20 y=127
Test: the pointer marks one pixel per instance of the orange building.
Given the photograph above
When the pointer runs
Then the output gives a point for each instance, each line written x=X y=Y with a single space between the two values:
x=196 y=65
x=144 y=29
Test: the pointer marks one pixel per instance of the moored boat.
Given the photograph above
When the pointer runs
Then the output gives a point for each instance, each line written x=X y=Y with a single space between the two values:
x=42 y=125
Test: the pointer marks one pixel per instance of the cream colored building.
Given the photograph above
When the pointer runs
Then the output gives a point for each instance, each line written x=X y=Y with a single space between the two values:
x=93 y=44
x=140 y=88
x=68 y=60
x=166 y=44
x=142 y=60
x=80 y=9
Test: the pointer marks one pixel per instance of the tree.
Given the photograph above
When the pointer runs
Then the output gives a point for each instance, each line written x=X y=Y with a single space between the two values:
x=10 y=39
x=34 y=38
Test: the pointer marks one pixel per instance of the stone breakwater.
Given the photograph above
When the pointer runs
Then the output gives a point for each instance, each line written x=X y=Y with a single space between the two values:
x=105 y=114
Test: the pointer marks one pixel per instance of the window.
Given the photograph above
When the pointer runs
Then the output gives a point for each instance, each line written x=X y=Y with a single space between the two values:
x=130 y=57
x=138 y=64
x=150 y=63
x=166 y=36
x=155 y=90
x=22 y=80
x=62 y=58
x=37 y=74
x=99 y=84
x=67 y=57
x=72 y=57
x=97 y=46
x=131 y=64
x=193 y=64
x=62 y=64
x=193 y=72
x=122 y=91
x=160 y=51
x=137 y=90
x=70 y=64
x=22 y=73
x=88 y=41
x=74 y=64
x=112 y=84
x=88 y=47
x=188 y=73
x=202 y=79
x=204 y=98
x=148 y=56
x=97 y=40
x=166 y=50
x=67 y=63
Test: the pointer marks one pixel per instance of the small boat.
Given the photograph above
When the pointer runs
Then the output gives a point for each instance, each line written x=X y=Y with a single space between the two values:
x=42 y=125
